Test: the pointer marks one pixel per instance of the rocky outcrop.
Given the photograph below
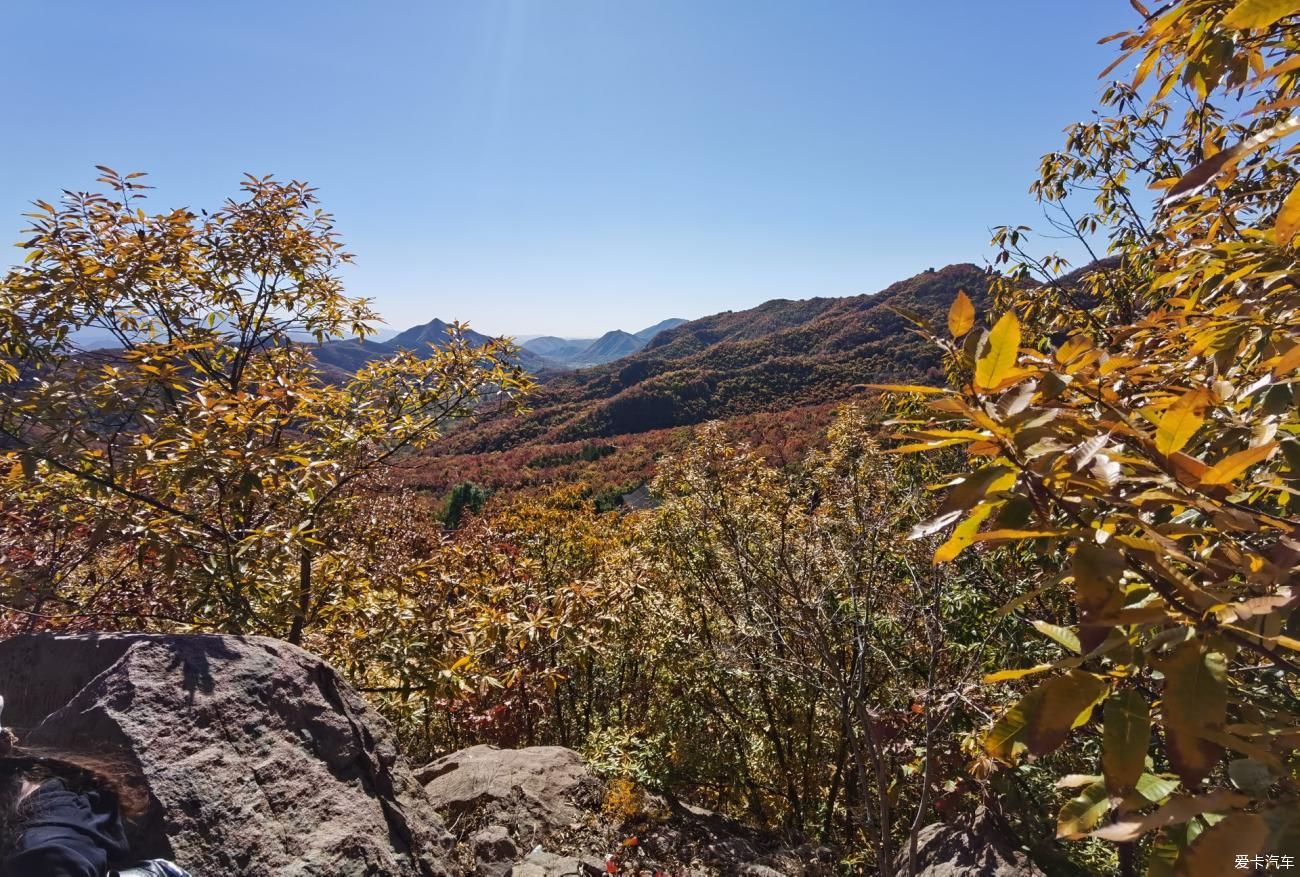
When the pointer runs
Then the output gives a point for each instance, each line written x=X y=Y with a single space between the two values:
x=533 y=793
x=258 y=759
x=541 y=812
x=977 y=845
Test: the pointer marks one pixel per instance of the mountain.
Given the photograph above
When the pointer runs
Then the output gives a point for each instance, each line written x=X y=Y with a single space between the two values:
x=560 y=349
x=613 y=345
x=780 y=355
x=585 y=352
x=651 y=331
x=351 y=354
x=433 y=332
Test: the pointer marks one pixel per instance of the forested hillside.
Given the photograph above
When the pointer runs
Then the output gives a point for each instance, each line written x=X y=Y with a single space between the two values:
x=779 y=355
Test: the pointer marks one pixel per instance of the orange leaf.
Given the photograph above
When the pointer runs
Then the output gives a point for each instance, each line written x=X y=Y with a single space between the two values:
x=961 y=316
x=1229 y=468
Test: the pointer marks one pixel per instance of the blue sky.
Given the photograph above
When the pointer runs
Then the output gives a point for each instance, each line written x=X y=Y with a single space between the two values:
x=571 y=166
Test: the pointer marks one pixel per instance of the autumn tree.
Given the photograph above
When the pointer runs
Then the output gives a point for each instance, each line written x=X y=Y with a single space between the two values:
x=822 y=674
x=507 y=630
x=202 y=470
x=1140 y=421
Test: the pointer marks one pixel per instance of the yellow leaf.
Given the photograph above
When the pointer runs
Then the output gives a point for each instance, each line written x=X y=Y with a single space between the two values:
x=961 y=316
x=1287 y=362
x=1176 y=812
x=1043 y=717
x=1008 y=675
x=1000 y=355
x=1216 y=849
x=904 y=388
x=963 y=535
x=1259 y=13
x=1199 y=176
x=1274 y=72
x=1229 y=468
x=1061 y=635
x=915 y=447
x=1017 y=535
x=1288 y=219
x=1097 y=571
x=1181 y=421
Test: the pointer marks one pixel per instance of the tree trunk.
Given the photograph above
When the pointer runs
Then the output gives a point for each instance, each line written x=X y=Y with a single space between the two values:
x=304 y=598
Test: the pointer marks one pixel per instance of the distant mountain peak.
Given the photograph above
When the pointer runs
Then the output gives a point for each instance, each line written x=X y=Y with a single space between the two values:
x=351 y=354
x=583 y=352
x=650 y=332
x=432 y=332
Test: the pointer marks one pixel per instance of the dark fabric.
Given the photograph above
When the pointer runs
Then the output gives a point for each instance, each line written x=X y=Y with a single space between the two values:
x=153 y=868
x=66 y=834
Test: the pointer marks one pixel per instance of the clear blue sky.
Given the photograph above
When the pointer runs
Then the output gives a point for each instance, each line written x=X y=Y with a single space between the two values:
x=570 y=166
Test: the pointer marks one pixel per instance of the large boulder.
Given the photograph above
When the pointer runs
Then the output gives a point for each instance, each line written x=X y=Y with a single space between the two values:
x=258 y=759
x=976 y=845
x=534 y=792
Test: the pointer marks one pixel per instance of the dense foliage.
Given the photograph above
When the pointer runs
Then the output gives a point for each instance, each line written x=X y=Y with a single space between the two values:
x=202 y=472
x=762 y=641
x=1143 y=425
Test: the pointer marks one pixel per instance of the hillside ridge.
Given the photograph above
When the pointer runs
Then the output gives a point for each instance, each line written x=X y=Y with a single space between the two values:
x=780 y=354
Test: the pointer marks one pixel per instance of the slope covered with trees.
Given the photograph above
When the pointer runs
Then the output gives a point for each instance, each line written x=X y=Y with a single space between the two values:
x=776 y=356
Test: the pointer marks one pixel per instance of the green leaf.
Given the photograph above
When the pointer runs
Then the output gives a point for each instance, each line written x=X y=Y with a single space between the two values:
x=1164 y=852
x=1080 y=815
x=1195 y=698
x=1155 y=788
x=1044 y=717
x=1126 y=736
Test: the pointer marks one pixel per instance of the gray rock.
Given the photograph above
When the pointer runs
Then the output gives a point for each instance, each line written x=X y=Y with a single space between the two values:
x=494 y=851
x=533 y=792
x=257 y=758
x=540 y=863
x=977 y=846
x=546 y=799
x=753 y=870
